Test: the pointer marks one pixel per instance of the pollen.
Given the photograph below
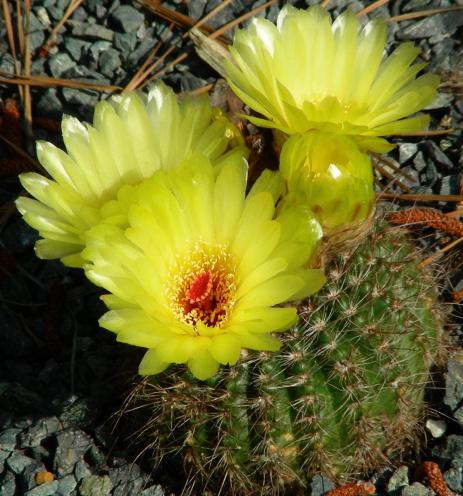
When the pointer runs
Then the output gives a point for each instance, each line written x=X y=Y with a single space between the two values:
x=202 y=285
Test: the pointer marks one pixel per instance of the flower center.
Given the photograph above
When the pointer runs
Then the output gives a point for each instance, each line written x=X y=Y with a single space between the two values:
x=201 y=285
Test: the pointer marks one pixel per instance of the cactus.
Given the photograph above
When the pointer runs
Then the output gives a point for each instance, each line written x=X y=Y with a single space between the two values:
x=344 y=394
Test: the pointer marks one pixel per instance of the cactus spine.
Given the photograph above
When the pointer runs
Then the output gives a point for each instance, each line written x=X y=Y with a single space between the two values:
x=344 y=394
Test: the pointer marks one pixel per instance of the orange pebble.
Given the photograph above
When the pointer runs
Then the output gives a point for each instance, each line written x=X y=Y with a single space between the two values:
x=354 y=489
x=43 y=477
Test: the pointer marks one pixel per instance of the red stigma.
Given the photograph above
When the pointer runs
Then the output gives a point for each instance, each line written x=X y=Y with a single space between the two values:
x=201 y=287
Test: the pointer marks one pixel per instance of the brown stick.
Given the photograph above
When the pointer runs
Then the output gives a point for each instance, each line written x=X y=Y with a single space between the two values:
x=371 y=7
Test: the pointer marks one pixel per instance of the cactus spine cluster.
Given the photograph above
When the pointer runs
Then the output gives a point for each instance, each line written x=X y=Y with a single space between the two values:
x=344 y=393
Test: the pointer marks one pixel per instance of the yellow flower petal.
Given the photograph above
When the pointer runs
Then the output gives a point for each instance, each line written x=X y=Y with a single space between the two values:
x=132 y=137
x=200 y=297
x=225 y=348
x=203 y=366
x=306 y=74
x=150 y=365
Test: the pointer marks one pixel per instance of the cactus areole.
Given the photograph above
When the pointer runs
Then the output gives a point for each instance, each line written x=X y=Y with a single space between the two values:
x=343 y=395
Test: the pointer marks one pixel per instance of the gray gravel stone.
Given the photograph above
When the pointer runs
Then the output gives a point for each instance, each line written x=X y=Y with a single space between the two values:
x=97 y=457
x=47 y=489
x=85 y=74
x=419 y=162
x=37 y=37
x=55 y=12
x=126 y=479
x=454 y=387
x=398 y=480
x=78 y=412
x=442 y=100
x=80 y=97
x=17 y=462
x=127 y=18
x=450 y=185
x=101 y=11
x=412 y=173
x=125 y=42
x=320 y=485
x=439 y=156
x=97 y=48
x=60 y=63
x=81 y=471
x=153 y=491
x=3 y=456
x=452 y=448
x=406 y=151
x=416 y=489
x=196 y=9
x=109 y=62
x=95 y=485
x=75 y=47
x=42 y=15
x=454 y=476
x=8 y=484
x=143 y=48
x=7 y=63
x=91 y=31
x=72 y=445
x=38 y=66
x=27 y=477
x=432 y=174
x=34 y=435
x=66 y=485
x=441 y=24
x=8 y=439
x=49 y=104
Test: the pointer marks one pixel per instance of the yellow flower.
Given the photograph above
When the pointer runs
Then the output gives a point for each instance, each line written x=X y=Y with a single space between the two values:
x=306 y=73
x=132 y=137
x=331 y=175
x=197 y=274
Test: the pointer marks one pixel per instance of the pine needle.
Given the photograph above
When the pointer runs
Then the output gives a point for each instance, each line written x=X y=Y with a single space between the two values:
x=178 y=19
x=67 y=14
x=391 y=164
x=422 y=13
x=201 y=90
x=27 y=71
x=19 y=25
x=141 y=80
x=435 y=256
x=215 y=35
x=10 y=35
x=144 y=70
x=241 y=19
x=372 y=7
x=23 y=154
x=393 y=179
x=51 y=82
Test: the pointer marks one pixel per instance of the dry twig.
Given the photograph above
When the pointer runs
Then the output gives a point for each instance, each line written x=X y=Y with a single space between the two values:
x=372 y=7
x=43 y=51
x=422 y=13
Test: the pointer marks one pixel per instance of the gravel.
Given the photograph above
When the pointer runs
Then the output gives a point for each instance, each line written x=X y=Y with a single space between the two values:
x=54 y=374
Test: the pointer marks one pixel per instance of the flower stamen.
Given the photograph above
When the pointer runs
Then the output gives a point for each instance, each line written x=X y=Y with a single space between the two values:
x=202 y=285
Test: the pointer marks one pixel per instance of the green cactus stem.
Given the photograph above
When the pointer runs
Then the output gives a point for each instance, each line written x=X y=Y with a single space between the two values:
x=343 y=396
